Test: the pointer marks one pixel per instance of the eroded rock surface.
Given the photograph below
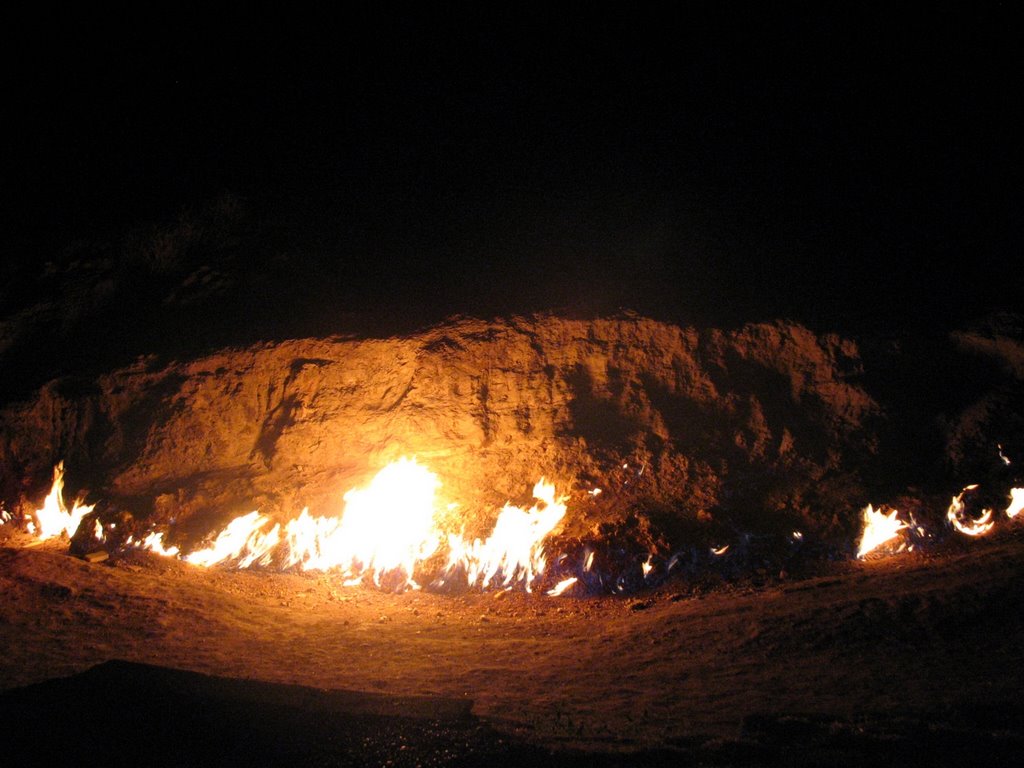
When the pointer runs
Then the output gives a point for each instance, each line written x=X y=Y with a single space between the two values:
x=758 y=427
x=985 y=440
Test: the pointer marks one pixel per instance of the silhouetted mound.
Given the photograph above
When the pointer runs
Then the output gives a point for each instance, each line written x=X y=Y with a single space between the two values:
x=757 y=429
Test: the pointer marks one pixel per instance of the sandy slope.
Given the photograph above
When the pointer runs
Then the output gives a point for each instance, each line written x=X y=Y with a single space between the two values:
x=924 y=636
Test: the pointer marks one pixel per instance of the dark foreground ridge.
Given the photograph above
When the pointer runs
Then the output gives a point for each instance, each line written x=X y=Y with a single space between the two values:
x=124 y=713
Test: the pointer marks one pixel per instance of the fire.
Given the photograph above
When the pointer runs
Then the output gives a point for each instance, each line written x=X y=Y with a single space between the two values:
x=386 y=527
x=54 y=518
x=967 y=525
x=561 y=586
x=647 y=566
x=879 y=528
x=514 y=552
x=243 y=542
x=1016 y=502
x=154 y=542
x=389 y=525
x=386 y=531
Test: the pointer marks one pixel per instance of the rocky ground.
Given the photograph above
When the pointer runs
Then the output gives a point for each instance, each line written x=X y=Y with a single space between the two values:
x=913 y=658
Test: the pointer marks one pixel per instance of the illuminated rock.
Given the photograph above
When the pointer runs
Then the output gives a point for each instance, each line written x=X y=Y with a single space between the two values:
x=701 y=423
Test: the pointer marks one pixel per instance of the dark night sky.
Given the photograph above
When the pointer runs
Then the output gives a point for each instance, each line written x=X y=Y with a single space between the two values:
x=719 y=164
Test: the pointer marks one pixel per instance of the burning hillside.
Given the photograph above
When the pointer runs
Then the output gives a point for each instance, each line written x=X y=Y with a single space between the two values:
x=590 y=379
x=670 y=460
x=406 y=461
x=655 y=435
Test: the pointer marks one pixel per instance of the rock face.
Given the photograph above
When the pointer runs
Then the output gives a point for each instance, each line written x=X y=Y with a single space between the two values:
x=757 y=427
x=985 y=440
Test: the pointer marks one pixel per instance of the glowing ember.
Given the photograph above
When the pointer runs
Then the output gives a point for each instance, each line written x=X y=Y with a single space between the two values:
x=879 y=528
x=967 y=525
x=1016 y=502
x=54 y=518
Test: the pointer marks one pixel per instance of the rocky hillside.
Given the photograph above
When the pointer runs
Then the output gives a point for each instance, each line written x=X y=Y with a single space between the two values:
x=754 y=428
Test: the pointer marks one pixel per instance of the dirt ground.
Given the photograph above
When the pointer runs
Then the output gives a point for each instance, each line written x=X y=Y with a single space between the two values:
x=931 y=636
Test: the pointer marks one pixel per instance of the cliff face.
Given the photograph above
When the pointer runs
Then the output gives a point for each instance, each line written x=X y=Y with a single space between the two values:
x=758 y=426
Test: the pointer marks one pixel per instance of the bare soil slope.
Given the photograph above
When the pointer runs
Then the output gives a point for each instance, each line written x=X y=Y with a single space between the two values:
x=764 y=426
x=930 y=647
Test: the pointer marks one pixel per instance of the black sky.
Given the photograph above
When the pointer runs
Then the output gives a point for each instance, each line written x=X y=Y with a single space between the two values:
x=810 y=162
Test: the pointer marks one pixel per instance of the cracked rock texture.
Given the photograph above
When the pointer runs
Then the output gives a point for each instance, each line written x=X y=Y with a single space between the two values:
x=762 y=426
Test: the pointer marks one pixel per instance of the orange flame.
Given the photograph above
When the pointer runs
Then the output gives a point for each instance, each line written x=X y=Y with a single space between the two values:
x=387 y=529
x=390 y=525
x=242 y=542
x=514 y=552
x=561 y=586
x=1016 y=502
x=879 y=529
x=54 y=518
x=154 y=542
x=964 y=523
